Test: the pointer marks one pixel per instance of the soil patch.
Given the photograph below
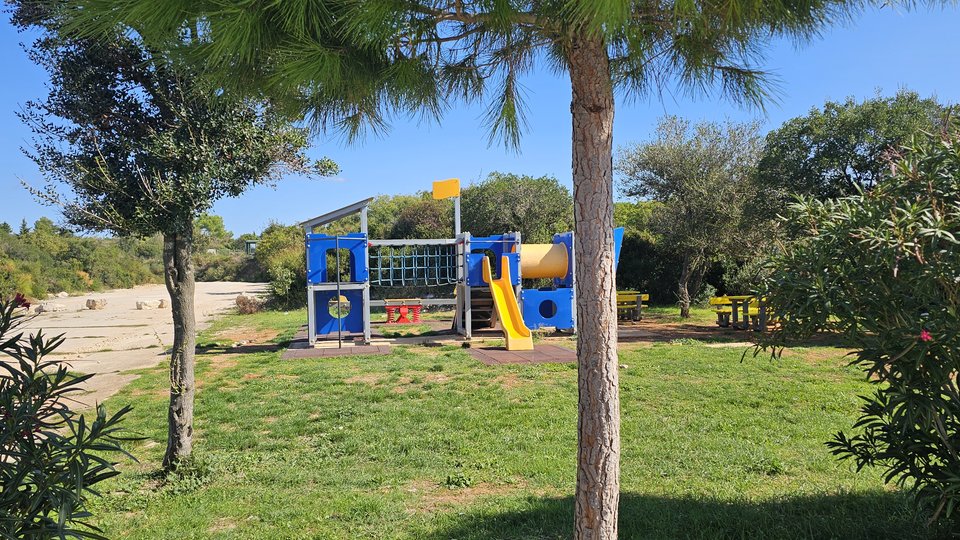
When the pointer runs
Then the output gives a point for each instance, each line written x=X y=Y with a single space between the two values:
x=248 y=335
x=435 y=497
x=509 y=381
x=222 y=524
x=659 y=332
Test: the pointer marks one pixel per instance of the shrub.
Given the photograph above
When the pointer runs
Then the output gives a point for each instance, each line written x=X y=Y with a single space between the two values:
x=288 y=280
x=248 y=305
x=50 y=456
x=883 y=269
x=281 y=251
x=707 y=291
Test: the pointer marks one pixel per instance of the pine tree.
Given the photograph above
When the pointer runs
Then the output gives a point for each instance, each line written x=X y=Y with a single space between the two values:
x=351 y=65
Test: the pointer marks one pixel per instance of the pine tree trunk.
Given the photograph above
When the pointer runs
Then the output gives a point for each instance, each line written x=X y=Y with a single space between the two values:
x=598 y=450
x=179 y=277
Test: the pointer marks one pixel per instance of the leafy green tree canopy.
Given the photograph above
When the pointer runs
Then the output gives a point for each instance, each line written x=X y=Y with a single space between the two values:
x=143 y=146
x=702 y=177
x=839 y=149
x=209 y=232
x=537 y=207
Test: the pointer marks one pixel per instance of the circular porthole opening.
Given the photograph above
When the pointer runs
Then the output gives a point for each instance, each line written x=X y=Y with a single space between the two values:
x=548 y=309
x=341 y=311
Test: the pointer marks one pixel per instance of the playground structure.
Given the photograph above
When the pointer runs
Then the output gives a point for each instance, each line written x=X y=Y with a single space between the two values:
x=486 y=273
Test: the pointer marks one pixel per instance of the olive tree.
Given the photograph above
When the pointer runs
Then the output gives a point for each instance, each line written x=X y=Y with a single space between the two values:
x=701 y=175
x=131 y=142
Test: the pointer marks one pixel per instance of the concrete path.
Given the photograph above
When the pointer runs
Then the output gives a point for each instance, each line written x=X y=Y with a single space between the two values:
x=120 y=337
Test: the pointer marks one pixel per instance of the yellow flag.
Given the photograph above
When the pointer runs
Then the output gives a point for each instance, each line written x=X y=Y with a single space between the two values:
x=444 y=189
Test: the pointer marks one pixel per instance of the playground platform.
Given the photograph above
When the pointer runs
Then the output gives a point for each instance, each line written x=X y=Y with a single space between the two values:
x=542 y=354
x=300 y=348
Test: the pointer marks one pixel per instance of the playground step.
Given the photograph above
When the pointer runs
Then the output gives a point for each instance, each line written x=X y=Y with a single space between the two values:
x=481 y=308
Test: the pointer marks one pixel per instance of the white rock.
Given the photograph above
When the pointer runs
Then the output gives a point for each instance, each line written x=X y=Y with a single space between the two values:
x=96 y=303
x=149 y=304
x=63 y=294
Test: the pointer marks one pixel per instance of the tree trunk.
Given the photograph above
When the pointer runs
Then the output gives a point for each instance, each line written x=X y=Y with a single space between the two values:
x=598 y=430
x=179 y=277
x=683 y=287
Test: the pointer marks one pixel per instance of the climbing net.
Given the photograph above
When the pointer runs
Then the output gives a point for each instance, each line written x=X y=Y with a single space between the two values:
x=429 y=265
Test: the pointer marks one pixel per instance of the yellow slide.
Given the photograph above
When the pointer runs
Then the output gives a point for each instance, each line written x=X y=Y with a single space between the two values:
x=515 y=332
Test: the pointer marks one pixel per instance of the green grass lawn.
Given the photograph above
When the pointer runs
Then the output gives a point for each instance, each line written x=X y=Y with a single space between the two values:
x=429 y=443
x=671 y=314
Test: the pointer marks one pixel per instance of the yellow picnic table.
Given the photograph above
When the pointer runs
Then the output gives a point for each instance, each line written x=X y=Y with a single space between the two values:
x=630 y=305
x=742 y=311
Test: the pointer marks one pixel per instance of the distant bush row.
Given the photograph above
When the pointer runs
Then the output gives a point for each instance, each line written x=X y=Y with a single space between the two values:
x=47 y=259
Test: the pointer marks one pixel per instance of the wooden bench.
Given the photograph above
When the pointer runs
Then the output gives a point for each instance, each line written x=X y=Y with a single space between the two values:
x=630 y=305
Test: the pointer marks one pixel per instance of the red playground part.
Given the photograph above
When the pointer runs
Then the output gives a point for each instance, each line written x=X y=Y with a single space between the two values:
x=398 y=313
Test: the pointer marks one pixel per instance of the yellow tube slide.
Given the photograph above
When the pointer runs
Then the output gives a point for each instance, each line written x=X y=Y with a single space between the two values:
x=543 y=261
x=516 y=334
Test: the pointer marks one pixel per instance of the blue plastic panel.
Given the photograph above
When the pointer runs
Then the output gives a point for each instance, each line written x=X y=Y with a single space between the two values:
x=617 y=244
x=318 y=245
x=503 y=244
x=538 y=311
x=327 y=323
x=567 y=240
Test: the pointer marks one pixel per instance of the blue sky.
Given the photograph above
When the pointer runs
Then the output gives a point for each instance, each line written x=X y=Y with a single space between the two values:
x=883 y=50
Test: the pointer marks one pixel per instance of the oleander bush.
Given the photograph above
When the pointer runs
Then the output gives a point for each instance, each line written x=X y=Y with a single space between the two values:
x=883 y=269
x=51 y=457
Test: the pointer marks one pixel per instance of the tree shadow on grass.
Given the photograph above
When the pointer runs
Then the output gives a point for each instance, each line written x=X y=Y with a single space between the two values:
x=239 y=349
x=852 y=516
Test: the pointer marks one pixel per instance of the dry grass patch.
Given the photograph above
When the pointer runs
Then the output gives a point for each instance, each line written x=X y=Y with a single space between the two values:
x=369 y=379
x=509 y=381
x=247 y=335
x=434 y=497
x=222 y=524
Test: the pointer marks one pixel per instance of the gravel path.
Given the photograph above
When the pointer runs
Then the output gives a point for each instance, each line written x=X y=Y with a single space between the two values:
x=120 y=338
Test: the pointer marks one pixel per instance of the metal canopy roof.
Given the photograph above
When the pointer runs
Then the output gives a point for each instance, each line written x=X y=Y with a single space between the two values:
x=340 y=213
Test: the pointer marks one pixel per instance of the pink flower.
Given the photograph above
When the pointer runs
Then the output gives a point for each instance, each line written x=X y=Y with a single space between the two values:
x=925 y=335
x=20 y=301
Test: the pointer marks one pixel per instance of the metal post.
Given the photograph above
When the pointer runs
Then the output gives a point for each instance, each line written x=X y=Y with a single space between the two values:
x=518 y=288
x=456 y=215
x=311 y=311
x=467 y=300
x=311 y=316
x=366 y=297
x=339 y=319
